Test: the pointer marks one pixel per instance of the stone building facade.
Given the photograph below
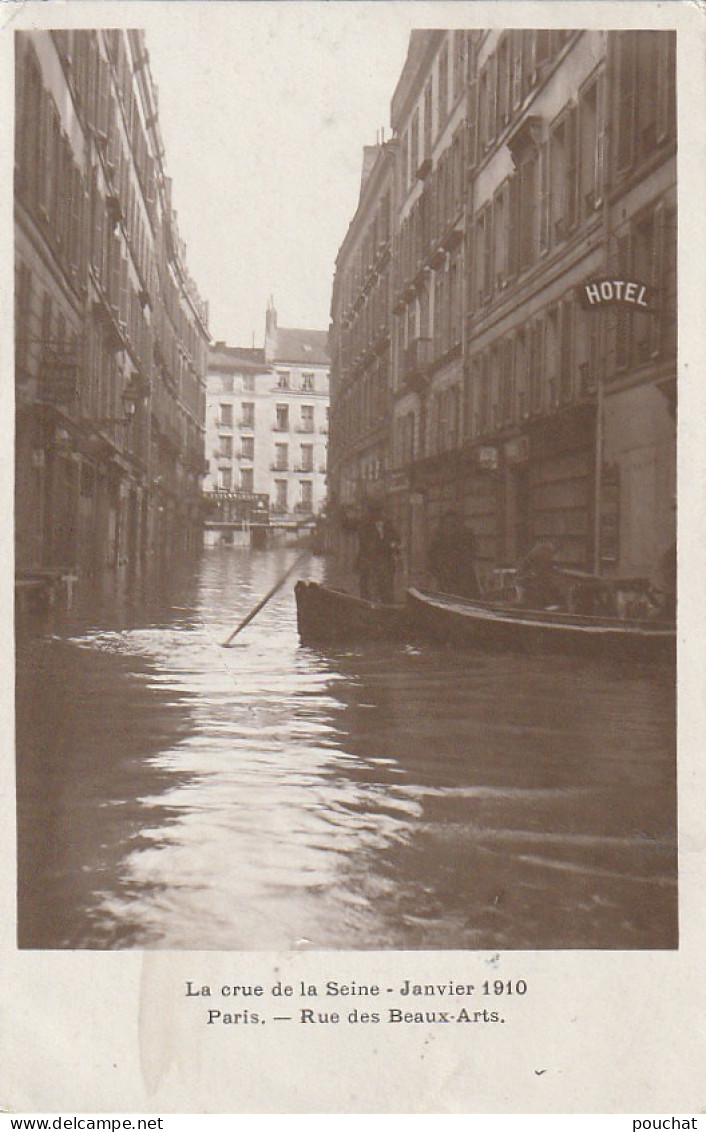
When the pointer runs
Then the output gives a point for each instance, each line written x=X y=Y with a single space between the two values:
x=111 y=334
x=527 y=168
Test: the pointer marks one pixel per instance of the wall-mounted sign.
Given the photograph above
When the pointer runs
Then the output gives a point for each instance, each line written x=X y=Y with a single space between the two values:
x=612 y=292
x=488 y=458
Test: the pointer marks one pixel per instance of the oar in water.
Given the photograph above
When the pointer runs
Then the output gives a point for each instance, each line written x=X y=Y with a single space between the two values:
x=261 y=604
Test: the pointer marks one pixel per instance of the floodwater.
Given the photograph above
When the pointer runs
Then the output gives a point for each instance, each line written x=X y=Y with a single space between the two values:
x=175 y=794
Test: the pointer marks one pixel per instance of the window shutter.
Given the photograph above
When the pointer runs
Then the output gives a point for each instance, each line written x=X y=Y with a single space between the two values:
x=472 y=126
x=76 y=221
x=566 y=353
x=665 y=84
x=599 y=157
x=492 y=97
x=114 y=284
x=626 y=49
x=516 y=68
x=622 y=317
x=571 y=142
x=544 y=197
x=513 y=242
x=488 y=253
x=657 y=318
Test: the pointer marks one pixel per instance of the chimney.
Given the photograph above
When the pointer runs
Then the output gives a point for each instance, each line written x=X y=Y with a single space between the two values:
x=270 y=331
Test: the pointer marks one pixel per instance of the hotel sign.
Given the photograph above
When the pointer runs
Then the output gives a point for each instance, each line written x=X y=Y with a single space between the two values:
x=616 y=292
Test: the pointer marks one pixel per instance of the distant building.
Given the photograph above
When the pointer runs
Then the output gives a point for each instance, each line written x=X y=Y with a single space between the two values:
x=111 y=334
x=533 y=356
x=267 y=431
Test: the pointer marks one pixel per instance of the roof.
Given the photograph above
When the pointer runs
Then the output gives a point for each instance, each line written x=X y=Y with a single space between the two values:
x=238 y=359
x=301 y=346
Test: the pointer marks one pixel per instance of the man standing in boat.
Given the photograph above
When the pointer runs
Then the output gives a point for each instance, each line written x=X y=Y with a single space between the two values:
x=537 y=578
x=378 y=548
x=452 y=557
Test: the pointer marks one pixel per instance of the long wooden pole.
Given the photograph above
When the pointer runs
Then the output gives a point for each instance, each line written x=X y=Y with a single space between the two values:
x=261 y=604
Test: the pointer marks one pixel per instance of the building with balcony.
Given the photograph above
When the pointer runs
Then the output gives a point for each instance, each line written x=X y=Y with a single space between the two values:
x=111 y=333
x=533 y=371
x=361 y=341
x=428 y=115
x=266 y=432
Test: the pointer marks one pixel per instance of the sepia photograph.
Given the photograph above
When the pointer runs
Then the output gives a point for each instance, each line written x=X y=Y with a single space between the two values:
x=345 y=486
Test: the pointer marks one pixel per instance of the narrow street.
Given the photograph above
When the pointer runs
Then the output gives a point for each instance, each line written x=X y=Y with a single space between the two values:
x=174 y=794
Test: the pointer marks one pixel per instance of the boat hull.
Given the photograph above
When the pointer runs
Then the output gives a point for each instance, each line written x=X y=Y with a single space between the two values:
x=490 y=627
x=328 y=616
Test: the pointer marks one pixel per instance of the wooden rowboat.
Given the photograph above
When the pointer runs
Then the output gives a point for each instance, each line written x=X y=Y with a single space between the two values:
x=329 y=616
x=494 y=625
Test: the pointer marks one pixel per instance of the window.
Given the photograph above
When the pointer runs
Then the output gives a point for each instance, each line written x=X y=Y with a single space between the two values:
x=249 y=382
x=500 y=229
x=521 y=380
x=507 y=383
x=281 y=495
x=551 y=356
x=308 y=382
x=484 y=255
x=563 y=174
x=591 y=147
x=247 y=448
x=503 y=82
x=283 y=379
x=226 y=415
x=246 y=479
x=225 y=478
x=248 y=417
x=281 y=457
x=226 y=447
x=227 y=383
x=282 y=418
x=307 y=424
x=428 y=111
x=648 y=265
x=566 y=351
x=484 y=396
x=306 y=489
x=642 y=123
x=307 y=457
x=536 y=361
x=443 y=85
x=459 y=55
x=414 y=145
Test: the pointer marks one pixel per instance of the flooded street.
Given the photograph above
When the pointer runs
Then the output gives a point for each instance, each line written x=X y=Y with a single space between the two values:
x=175 y=794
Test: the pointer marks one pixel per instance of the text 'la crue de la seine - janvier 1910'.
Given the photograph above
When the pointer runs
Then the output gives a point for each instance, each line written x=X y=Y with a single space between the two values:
x=286 y=998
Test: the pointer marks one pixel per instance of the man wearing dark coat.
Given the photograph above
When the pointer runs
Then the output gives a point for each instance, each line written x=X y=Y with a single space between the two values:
x=451 y=557
x=378 y=547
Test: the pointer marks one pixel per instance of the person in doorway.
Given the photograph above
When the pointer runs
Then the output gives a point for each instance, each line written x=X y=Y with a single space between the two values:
x=378 y=548
x=537 y=577
x=451 y=557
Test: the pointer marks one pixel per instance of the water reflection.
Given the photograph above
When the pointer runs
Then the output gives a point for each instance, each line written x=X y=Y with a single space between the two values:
x=176 y=794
